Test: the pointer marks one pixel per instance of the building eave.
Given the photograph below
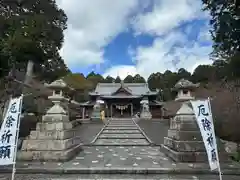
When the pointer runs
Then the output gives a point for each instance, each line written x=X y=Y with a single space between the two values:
x=120 y=97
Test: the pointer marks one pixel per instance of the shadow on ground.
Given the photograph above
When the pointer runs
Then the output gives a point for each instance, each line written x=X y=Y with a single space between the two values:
x=156 y=130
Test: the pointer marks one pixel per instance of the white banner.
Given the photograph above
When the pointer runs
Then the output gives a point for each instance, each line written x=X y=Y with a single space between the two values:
x=9 y=131
x=202 y=110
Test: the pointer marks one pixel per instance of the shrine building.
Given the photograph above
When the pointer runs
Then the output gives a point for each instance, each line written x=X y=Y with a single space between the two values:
x=123 y=100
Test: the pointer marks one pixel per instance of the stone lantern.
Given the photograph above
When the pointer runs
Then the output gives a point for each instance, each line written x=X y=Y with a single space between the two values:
x=145 y=113
x=184 y=89
x=56 y=137
x=184 y=142
x=59 y=96
x=96 y=113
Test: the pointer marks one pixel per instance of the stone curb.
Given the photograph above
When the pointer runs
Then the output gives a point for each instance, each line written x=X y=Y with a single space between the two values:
x=136 y=145
x=175 y=171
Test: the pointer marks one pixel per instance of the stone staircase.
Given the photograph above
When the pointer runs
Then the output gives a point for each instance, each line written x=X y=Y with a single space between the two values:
x=121 y=132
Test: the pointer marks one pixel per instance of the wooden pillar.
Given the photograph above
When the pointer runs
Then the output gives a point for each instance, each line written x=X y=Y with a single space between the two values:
x=83 y=112
x=111 y=109
x=131 y=109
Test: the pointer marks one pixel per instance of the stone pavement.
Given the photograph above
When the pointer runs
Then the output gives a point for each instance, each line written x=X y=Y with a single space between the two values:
x=111 y=177
x=155 y=129
x=121 y=147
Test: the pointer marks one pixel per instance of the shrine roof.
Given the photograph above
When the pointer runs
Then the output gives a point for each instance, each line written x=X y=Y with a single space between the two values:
x=155 y=102
x=88 y=103
x=136 y=89
x=120 y=96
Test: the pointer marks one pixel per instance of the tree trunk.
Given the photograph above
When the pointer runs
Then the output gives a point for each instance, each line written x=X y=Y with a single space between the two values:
x=29 y=72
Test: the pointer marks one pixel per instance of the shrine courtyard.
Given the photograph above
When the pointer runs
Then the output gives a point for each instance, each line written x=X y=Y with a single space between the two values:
x=121 y=149
x=65 y=145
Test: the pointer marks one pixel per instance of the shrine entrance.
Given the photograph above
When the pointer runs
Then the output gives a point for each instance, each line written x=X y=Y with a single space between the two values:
x=121 y=110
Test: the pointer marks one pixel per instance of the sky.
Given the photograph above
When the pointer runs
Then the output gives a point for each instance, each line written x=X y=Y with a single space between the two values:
x=128 y=37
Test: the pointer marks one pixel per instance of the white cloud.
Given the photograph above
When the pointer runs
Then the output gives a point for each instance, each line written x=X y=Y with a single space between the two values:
x=159 y=56
x=121 y=70
x=168 y=14
x=163 y=22
x=91 y=26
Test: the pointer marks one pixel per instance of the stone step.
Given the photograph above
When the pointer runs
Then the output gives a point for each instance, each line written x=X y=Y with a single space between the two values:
x=117 y=174
x=122 y=122
x=121 y=131
x=121 y=125
x=75 y=172
x=121 y=136
x=121 y=142
x=121 y=128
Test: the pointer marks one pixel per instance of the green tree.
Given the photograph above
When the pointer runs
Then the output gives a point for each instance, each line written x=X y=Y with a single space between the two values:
x=117 y=80
x=203 y=73
x=80 y=84
x=233 y=67
x=225 y=23
x=128 y=79
x=109 y=79
x=138 y=79
x=94 y=79
x=170 y=79
x=31 y=30
x=183 y=73
x=155 y=81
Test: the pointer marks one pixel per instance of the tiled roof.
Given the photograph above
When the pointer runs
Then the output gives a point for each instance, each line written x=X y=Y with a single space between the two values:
x=136 y=89
x=120 y=96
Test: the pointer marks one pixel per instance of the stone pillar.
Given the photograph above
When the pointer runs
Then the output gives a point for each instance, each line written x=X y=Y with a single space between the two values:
x=184 y=141
x=55 y=138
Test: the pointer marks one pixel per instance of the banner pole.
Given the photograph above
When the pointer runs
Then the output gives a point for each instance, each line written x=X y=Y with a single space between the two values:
x=17 y=135
x=219 y=167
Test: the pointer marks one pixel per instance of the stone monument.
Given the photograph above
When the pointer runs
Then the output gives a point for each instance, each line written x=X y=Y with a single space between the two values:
x=145 y=113
x=184 y=141
x=56 y=137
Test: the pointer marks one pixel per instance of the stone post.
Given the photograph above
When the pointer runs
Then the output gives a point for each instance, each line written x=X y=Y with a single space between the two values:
x=55 y=138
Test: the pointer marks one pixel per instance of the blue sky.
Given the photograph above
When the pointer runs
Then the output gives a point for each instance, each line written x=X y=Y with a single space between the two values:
x=135 y=36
